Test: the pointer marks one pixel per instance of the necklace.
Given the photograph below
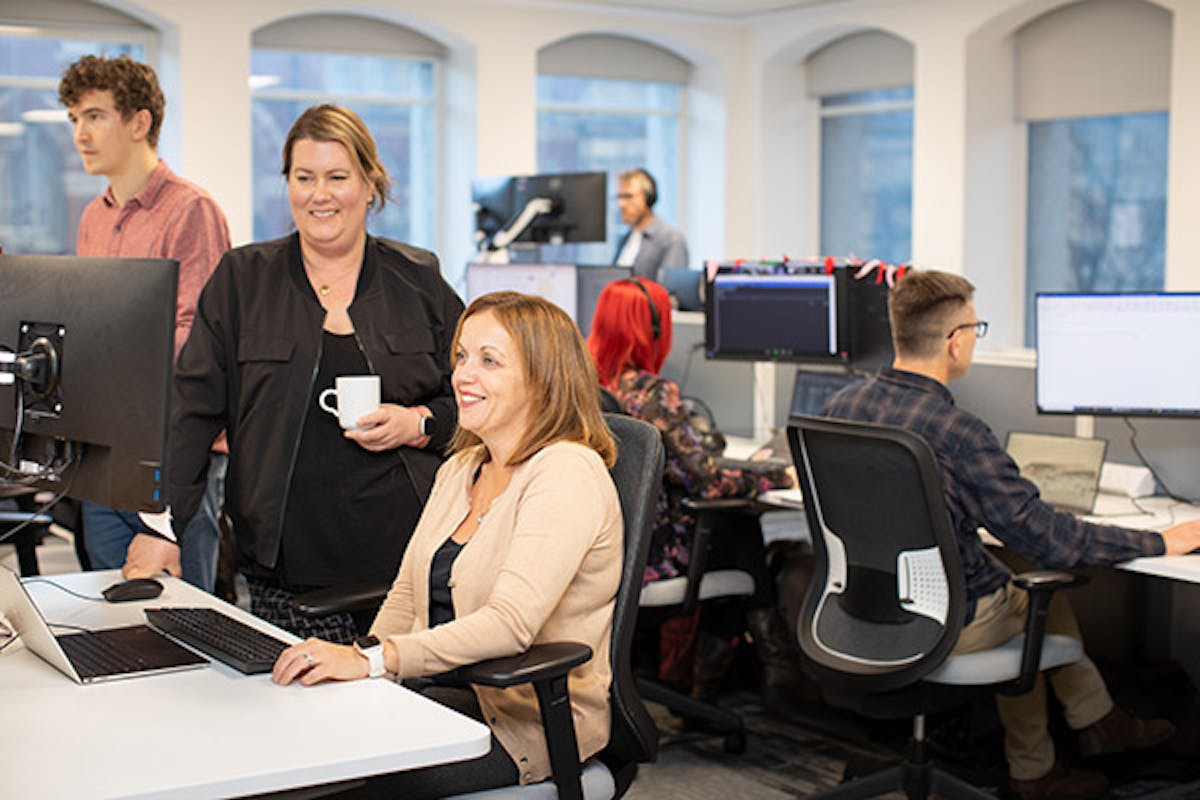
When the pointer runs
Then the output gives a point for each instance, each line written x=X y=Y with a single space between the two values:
x=487 y=508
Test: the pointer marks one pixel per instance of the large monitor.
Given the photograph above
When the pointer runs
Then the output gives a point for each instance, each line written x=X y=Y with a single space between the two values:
x=772 y=316
x=1127 y=354
x=85 y=384
x=565 y=208
x=574 y=289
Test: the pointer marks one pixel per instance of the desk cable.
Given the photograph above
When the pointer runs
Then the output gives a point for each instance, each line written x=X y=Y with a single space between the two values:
x=61 y=588
x=1133 y=434
x=11 y=532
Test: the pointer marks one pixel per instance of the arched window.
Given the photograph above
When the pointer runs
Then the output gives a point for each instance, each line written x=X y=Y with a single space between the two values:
x=864 y=85
x=1092 y=83
x=609 y=103
x=387 y=74
x=43 y=186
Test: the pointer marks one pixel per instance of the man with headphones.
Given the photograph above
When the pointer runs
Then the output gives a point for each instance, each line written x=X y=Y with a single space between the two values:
x=651 y=244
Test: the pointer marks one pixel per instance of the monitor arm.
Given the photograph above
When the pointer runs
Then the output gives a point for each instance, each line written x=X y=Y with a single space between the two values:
x=536 y=207
x=37 y=366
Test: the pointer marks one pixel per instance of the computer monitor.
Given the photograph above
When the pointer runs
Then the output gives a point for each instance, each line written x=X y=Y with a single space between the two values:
x=87 y=415
x=565 y=208
x=1126 y=354
x=772 y=317
x=574 y=289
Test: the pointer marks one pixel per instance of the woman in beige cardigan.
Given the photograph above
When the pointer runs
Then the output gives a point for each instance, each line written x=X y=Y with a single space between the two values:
x=519 y=543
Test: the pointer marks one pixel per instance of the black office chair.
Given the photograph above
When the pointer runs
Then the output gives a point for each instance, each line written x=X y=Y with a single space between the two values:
x=887 y=600
x=22 y=525
x=633 y=738
x=664 y=599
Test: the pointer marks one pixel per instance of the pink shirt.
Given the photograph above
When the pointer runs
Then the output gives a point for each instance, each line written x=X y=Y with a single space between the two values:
x=168 y=218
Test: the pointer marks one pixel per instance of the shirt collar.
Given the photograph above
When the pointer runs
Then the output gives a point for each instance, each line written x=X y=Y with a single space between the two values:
x=147 y=194
x=916 y=382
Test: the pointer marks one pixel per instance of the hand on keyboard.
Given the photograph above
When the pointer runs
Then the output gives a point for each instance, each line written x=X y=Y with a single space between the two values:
x=313 y=661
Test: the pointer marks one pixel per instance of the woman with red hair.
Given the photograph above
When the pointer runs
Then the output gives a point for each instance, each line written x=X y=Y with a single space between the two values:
x=629 y=341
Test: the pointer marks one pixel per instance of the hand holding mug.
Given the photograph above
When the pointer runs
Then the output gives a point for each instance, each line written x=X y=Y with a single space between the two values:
x=390 y=426
x=356 y=397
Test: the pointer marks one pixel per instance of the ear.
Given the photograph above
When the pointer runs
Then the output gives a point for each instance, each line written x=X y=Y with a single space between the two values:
x=141 y=123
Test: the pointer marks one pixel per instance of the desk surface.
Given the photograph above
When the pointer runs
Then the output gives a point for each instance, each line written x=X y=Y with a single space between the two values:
x=1152 y=513
x=205 y=733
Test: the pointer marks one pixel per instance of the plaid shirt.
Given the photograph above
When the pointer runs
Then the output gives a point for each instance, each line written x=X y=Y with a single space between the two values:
x=984 y=487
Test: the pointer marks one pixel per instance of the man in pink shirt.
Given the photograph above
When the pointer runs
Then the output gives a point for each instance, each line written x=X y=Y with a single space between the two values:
x=116 y=110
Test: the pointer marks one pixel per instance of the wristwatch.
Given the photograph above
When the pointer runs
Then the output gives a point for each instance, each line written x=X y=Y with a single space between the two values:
x=370 y=648
x=428 y=425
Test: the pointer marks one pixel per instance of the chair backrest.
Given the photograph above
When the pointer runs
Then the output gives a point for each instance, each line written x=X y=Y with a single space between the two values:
x=638 y=476
x=887 y=599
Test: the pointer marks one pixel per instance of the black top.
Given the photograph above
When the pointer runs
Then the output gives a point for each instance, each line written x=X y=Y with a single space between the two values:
x=341 y=495
x=441 y=607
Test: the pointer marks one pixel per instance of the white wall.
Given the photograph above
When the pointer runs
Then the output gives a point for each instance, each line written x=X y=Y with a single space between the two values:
x=751 y=143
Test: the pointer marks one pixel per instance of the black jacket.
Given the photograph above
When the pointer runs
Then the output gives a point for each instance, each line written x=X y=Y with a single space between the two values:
x=253 y=353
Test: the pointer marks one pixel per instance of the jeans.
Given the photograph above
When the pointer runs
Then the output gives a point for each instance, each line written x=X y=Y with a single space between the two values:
x=108 y=532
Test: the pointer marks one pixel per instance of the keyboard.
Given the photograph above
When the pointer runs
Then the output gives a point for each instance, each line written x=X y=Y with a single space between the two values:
x=93 y=656
x=246 y=649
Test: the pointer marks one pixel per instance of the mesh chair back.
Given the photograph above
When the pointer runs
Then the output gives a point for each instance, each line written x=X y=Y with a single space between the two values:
x=638 y=476
x=887 y=598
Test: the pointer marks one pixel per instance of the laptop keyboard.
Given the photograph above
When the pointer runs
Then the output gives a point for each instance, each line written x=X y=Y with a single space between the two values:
x=93 y=656
x=246 y=649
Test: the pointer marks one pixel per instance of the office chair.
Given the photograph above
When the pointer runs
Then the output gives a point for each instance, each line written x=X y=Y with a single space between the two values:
x=633 y=738
x=664 y=599
x=18 y=510
x=887 y=600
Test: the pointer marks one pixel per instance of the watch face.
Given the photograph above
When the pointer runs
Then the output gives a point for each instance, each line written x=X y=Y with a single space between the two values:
x=366 y=642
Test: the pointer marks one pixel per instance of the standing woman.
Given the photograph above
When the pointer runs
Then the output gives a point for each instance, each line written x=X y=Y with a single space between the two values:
x=313 y=505
x=520 y=544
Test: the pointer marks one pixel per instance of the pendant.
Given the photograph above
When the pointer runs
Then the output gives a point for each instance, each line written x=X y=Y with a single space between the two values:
x=324 y=290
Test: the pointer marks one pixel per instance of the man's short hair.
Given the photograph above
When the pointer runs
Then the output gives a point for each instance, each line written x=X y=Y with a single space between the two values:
x=922 y=306
x=134 y=86
x=644 y=182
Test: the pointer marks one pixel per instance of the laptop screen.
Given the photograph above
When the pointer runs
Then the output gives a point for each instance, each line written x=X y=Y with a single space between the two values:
x=1066 y=469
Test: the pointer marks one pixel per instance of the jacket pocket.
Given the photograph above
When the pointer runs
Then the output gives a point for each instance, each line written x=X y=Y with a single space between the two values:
x=409 y=341
x=264 y=348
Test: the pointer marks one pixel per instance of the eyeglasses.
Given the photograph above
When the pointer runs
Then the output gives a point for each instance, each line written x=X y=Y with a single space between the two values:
x=980 y=329
x=626 y=196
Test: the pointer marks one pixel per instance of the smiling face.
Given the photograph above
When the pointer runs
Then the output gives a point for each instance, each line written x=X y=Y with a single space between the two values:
x=329 y=196
x=494 y=401
x=106 y=142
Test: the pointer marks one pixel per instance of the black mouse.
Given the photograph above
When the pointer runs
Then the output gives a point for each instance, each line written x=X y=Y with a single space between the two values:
x=136 y=589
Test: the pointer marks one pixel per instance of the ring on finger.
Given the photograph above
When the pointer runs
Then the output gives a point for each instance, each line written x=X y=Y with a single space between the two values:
x=308 y=659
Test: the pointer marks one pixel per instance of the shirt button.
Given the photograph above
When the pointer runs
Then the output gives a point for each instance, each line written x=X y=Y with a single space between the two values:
x=528 y=776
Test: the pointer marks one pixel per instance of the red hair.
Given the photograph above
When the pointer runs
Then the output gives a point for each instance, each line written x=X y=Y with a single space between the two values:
x=623 y=329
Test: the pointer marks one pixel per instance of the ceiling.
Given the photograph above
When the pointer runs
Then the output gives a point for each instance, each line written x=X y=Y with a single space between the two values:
x=719 y=8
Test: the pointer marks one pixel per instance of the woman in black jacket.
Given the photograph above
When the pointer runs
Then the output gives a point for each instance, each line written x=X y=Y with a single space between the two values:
x=312 y=505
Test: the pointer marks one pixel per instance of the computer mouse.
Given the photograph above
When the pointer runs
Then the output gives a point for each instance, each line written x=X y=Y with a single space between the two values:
x=136 y=589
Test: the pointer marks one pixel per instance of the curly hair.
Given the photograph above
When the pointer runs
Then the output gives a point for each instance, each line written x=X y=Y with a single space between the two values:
x=134 y=86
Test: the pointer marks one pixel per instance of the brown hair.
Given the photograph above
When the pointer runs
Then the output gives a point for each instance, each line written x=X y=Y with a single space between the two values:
x=330 y=123
x=558 y=372
x=134 y=86
x=921 y=307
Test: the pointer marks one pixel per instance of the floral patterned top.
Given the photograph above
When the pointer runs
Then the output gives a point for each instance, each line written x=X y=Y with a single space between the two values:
x=690 y=471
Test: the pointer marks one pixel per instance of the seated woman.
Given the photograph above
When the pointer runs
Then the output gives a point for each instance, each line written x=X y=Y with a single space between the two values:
x=629 y=341
x=520 y=543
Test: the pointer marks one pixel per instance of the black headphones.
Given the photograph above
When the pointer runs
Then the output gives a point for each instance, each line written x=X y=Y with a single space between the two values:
x=655 y=323
x=650 y=191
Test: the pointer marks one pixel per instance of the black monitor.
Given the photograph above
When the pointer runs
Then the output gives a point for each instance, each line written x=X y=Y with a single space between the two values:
x=1123 y=354
x=812 y=390
x=772 y=317
x=565 y=208
x=91 y=343
x=590 y=282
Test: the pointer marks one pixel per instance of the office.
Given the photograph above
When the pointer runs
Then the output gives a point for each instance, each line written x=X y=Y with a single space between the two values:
x=751 y=180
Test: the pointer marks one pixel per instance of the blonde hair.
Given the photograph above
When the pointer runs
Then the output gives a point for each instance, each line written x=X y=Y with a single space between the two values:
x=331 y=123
x=558 y=372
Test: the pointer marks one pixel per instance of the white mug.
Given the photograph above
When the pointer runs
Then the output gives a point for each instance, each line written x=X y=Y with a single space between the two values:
x=355 y=396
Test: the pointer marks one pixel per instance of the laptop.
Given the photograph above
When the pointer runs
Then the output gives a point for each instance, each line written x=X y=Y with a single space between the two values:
x=92 y=656
x=1066 y=469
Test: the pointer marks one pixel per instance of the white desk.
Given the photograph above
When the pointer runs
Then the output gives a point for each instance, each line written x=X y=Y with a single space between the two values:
x=1164 y=512
x=205 y=733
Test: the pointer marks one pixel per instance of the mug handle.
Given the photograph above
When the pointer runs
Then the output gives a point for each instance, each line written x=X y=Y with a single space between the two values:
x=321 y=401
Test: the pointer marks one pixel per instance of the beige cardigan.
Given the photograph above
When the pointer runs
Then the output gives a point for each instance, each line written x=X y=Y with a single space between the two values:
x=543 y=567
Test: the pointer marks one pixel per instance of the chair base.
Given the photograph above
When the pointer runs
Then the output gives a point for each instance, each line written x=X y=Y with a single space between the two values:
x=917 y=781
x=726 y=722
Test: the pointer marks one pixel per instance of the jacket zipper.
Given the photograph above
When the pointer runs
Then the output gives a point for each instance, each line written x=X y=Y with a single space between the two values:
x=287 y=486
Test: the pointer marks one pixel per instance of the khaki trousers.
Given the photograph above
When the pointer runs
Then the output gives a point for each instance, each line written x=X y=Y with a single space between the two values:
x=1085 y=699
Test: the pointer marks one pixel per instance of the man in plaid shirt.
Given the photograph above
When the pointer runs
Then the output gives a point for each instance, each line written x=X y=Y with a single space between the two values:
x=934 y=329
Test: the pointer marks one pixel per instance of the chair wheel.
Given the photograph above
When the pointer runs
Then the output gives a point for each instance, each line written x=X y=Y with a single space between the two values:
x=735 y=743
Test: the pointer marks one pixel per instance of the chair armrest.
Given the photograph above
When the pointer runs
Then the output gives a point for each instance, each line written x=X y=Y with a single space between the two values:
x=539 y=663
x=336 y=599
x=704 y=508
x=718 y=503
x=546 y=667
x=1041 y=586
